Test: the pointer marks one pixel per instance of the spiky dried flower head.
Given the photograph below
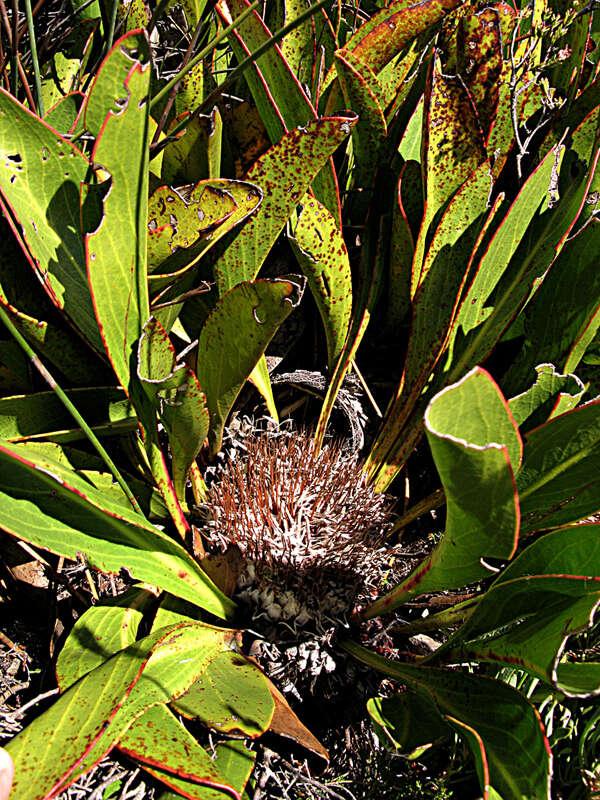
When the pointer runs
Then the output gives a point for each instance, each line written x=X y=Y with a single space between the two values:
x=307 y=522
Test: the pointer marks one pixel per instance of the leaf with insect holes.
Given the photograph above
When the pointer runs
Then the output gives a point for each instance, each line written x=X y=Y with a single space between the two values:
x=283 y=173
x=40 y=178
x=116 y=250
x=184 y=225
x=176 y=392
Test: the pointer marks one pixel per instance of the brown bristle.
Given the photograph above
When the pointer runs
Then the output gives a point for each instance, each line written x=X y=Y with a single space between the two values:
x=291 y=509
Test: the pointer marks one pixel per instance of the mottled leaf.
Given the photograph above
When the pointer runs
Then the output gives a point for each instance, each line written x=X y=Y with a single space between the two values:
x=323 y=257
x=283 y=173
x=184 y=223
x=280 y=98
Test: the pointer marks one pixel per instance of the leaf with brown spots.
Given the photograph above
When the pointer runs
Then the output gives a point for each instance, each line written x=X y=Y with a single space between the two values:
x=237 y=200
x=454 y=146
x=387 y=33
x=283 y=173
x=278 y=95
x=86 y=722
x=479 y=62
x=323 y=257
x=167 y=750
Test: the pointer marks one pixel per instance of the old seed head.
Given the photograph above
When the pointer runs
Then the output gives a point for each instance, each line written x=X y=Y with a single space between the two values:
x=308 y=524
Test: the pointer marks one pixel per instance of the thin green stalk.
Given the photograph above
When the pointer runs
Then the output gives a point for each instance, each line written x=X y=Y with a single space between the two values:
x=253 y=57
x=158 y=12
x=34 y=58
x=111 y=26
x=432 y=501
x=14 y=59
x=165 y=91
x=169 y=104
x=70 y=408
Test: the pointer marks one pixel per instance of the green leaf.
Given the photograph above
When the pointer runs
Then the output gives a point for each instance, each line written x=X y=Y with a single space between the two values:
x=443 y=276
x=42 y=413
x=559 y=479
x=233 y=759
x=284 y=173
x=323 y=257
x=369 y=137
x=402 y=249
x=162 y=679
x=63 y=115
x=545 y=596
x=116 y=250
x=32 y=313
x=40 y=178
x=512 y=261
x=233 y=697
x=550 y=389
x=170 y=753
x=185 y=159
x=233 y=339
x=573 y=288
x=476 y=446
x=48 y=753
x=174 y=389
x=99 y=633
x=107 y=90
x=408 y=719
x=54 y=508
x=504 y=732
